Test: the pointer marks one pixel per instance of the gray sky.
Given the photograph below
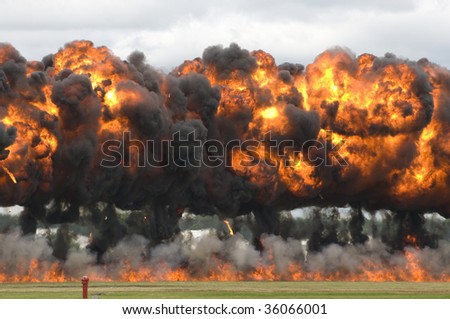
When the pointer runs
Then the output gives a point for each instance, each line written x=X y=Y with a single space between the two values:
x=171 y=31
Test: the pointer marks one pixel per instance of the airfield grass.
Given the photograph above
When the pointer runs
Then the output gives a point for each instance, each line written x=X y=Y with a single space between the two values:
x=225 y=290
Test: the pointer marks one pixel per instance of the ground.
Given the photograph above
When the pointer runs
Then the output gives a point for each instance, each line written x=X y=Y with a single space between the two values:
x=203 y=290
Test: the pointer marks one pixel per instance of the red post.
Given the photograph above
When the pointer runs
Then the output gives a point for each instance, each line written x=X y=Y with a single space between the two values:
x=85 y=281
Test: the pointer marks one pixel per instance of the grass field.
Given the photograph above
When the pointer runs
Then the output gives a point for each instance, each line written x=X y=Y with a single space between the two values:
x=204 y=290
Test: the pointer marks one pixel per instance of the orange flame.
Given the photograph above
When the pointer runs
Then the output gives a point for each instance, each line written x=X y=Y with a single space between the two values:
x=373 y=106
x=412 y=271
x=411 y=240
x=410 y=266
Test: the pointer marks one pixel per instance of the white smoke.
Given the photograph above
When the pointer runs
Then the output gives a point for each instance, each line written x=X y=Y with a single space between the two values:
x=201 y=255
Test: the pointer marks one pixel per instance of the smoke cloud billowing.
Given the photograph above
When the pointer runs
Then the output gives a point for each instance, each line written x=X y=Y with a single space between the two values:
x=365 y=131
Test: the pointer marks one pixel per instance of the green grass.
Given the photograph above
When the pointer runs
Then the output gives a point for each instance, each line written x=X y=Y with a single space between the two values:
x=205 y=290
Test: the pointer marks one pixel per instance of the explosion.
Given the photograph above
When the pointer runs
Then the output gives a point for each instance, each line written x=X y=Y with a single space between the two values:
x=84 y=134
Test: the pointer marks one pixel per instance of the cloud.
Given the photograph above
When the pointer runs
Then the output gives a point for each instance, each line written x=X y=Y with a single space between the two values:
x=100 y=14
x=169 y=32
